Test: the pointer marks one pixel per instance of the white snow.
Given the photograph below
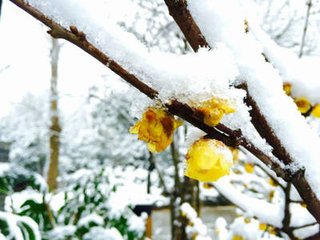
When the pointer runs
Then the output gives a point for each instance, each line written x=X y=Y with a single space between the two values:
x=60 y=232
x=91 y=218
x=195 y=226
x=194 y=75
x=99 y=233
x=13 y=224
x=301 y=73
x=15 y=200
x=138 y=224
x=4 y=168
x=271 y=214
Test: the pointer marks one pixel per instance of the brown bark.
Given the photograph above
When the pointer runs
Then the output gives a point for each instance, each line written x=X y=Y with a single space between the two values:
x=185 y=190
x=181 y=15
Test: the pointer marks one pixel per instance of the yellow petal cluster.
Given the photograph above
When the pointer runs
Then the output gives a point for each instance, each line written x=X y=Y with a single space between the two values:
x=156 y=128
x=208 y=160
x=287 y=87
x=249 y=167
x=214 y=109
x=237 y=237
x=303 y=104
x=263 y=226
x=316 y=111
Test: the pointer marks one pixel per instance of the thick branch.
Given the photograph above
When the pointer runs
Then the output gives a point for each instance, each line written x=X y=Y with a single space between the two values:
x=258 y=120
x=265 y=130
x=181 y=15
x=297 y=179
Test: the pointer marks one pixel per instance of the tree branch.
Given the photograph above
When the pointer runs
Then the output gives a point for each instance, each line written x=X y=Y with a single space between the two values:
x=229 y=137
x=305 y=28
x=183 y=18
x=258 y=120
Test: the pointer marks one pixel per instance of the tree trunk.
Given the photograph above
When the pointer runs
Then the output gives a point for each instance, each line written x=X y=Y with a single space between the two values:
x=55 y=129
x=185 y=190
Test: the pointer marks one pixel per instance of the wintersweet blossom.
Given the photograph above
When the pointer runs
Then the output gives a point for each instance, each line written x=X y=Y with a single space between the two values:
x=214 y=109
x=249 y=167
x=208 y=160
x=287 y=87
x=156 y=128
x=303 y=104
x=316 y=111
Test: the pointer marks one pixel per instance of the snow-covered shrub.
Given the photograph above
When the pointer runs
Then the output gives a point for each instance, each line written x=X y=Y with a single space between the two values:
x=15 y=227
x=89 y=201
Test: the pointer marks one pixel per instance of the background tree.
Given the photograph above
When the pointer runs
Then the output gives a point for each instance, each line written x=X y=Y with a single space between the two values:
x=55 y=128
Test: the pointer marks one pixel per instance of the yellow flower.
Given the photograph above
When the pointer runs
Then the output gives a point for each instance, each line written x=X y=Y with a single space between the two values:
x=271 y=195
x=214 y=109
x=272 y=230
x=287 y=87
x=237 y=237
x=272 y=182
x=263 y=226
x=207 y=185
x=303 y=104
x=247 y=220
x=246 y=26
x=249 y=167
x=208 y=160
x=303 y=204
x=316 y=111
x=156 y=128
x=235 y=154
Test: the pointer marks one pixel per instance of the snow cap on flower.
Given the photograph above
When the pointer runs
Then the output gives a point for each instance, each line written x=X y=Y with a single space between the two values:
x=214 y=109
x=208 y=160
x=156 y=128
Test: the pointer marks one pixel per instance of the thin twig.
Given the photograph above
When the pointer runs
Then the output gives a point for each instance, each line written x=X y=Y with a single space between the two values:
x=305 y=28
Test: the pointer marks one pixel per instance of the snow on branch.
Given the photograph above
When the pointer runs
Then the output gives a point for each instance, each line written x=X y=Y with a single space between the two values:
x=224 y=22
x=158 y=75
x=301 y=73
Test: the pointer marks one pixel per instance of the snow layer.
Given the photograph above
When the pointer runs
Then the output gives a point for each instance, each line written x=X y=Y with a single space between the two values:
x=195 y=226
x=99 y=233
x=223 y=21
x=13 y=224
x=272 y=214
x=202 y=74
x=302 y=73
x=91 y=218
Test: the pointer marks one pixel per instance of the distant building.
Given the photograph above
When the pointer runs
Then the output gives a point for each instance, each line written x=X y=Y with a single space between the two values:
x=4 y=152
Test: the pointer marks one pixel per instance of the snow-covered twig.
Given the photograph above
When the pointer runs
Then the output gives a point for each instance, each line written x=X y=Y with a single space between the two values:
x=305 y=28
